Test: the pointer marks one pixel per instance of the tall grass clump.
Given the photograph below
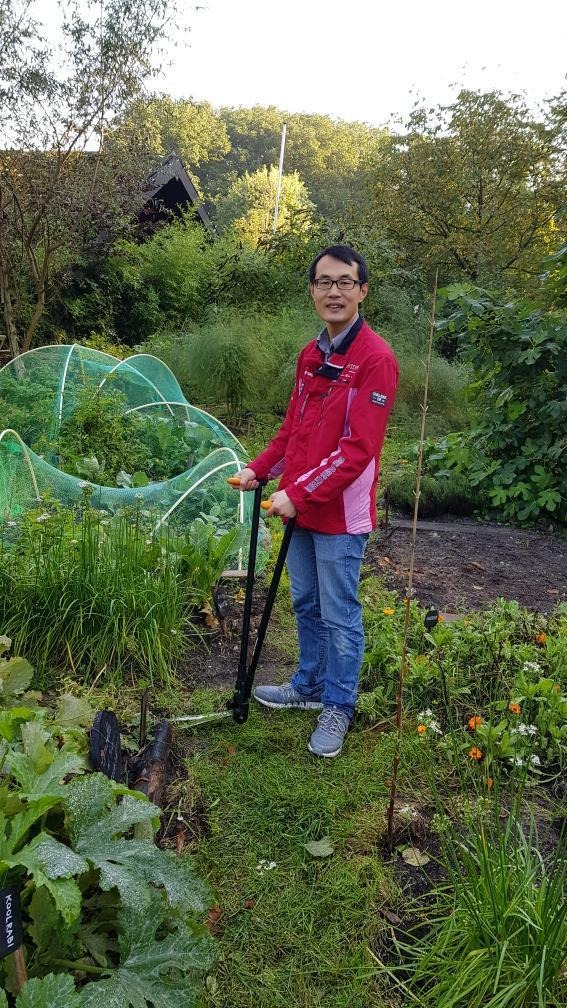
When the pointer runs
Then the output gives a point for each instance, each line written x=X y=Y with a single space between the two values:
x=94 y=593
x=498 y=937
x=447 y=404
x=239 y=360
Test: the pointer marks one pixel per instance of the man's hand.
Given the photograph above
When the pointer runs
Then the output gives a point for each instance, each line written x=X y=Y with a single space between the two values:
x=247 y=479
x=281 y=505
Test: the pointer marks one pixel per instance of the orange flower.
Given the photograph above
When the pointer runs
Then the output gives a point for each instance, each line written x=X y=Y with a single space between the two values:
x=474 y=722
x=421 y=729
x=489 y=783
x=440 y=618
x=514 y=708
x=540 y=638
x=388 y=611
x=475 y=753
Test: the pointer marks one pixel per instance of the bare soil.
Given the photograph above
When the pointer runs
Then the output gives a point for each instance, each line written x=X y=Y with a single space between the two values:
x=464 y=565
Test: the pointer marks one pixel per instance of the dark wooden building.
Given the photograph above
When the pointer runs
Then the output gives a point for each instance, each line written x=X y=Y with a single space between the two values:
x=168 y=193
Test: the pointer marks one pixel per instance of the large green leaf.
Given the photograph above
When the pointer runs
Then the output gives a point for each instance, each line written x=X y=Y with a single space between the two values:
x=131 y=866
x=52 y=864
x=72 y=710
x=53 y=991
x=14 y=829
x=34 y=737
x=15 y=677
x=51 y=940
x=163 y=973
x=35 y=785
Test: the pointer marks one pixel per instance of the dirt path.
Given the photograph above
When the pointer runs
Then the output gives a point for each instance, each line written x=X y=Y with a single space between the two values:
x=467 y=565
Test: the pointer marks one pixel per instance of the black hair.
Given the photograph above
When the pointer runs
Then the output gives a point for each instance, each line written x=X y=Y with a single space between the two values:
x=346 y=255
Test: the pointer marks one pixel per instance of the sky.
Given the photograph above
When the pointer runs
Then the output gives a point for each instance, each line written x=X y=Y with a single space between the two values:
x=366 y=60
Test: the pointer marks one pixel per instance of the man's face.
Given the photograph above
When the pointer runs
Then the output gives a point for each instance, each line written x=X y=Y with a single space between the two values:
x=337 y=307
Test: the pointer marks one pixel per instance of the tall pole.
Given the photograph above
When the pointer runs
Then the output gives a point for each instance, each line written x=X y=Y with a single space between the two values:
x=280 y=172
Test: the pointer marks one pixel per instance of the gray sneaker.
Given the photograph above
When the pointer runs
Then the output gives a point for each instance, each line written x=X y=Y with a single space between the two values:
x=284 y=696
x=329 y=735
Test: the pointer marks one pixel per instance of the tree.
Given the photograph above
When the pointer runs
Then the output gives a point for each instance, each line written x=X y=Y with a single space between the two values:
x=250 y=202
x=473 y=188
x=60 y=187
x=191 y=129
x=332 y=157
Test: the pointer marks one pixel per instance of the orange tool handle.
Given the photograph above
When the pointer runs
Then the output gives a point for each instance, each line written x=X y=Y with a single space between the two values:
x=233 y=481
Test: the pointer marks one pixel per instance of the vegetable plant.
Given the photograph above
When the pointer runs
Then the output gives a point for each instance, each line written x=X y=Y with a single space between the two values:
x=98 y=900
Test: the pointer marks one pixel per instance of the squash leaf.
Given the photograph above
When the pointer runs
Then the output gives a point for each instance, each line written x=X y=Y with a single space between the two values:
x=53 y=991
x=131 y=866
x=162 y=972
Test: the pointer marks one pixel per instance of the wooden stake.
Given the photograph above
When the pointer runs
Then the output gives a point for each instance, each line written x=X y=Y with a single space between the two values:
x=409 y=589
x=20 y=968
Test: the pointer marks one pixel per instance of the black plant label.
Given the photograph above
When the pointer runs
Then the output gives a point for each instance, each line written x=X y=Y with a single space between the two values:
x=11 y=935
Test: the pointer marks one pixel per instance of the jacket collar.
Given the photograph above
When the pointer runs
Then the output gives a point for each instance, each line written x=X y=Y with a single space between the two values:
x=350 y=336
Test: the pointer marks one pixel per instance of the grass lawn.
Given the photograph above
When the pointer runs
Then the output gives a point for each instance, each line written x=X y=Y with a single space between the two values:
x=294 y=929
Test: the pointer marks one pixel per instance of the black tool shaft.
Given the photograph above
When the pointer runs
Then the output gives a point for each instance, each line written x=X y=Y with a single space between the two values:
x=270 y=599
x=245 y=679
x=247 y=612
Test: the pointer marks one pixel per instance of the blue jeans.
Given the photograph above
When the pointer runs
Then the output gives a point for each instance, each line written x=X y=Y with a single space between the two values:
x=324 y=572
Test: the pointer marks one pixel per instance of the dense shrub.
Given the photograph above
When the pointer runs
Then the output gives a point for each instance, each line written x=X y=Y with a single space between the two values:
x=439 y=494
x=515 y=451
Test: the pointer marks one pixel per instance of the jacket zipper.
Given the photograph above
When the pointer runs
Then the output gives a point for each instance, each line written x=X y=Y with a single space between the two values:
x=324 y=395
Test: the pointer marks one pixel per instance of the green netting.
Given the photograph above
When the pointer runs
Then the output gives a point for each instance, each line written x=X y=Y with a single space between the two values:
x=42 y=389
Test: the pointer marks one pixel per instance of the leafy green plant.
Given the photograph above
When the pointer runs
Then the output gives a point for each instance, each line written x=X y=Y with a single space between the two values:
x=450 y=492
x=498 y=934
x=95 y=591
x=514 y=452
x=205 y=551
x=66 y=842
x=479 y=669
x=26 y=406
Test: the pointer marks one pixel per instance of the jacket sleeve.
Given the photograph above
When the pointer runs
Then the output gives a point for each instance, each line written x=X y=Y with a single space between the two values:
x=270 y=463
x=365 y=427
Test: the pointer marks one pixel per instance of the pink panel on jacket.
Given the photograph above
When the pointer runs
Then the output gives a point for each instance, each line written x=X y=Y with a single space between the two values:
x=356 y=501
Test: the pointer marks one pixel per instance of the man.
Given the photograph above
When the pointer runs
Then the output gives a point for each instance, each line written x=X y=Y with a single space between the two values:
x=327 y=452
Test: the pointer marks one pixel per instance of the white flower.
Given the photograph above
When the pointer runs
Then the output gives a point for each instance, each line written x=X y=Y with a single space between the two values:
x=426 y=718
x=517 y=761
x=531 y=666
x=535 y=760
x=43 y=517
x=12 y=524
x=527 y=729
x=73 y=542
x=264 y=866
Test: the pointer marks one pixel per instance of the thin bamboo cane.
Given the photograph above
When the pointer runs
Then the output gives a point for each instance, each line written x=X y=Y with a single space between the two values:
x=409 y=589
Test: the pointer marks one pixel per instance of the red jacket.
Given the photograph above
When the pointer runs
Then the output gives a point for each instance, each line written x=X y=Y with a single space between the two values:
x=327 y=450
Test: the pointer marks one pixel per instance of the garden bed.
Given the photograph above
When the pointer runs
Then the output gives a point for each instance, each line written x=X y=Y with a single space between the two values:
x=464 y=565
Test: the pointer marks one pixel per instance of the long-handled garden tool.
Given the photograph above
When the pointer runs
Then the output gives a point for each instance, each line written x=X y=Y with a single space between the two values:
x=240 y=701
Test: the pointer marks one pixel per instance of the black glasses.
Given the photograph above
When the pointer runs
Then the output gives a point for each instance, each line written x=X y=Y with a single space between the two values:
x=344 y=284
